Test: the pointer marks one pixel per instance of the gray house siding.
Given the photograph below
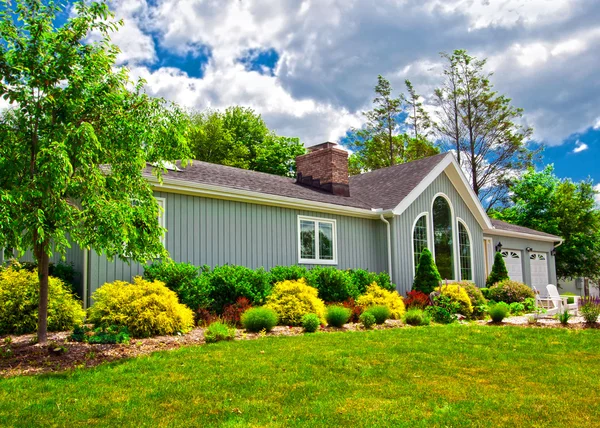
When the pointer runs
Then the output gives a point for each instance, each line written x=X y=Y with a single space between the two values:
x=402 y=252
x=215 y=232
x=521 y=244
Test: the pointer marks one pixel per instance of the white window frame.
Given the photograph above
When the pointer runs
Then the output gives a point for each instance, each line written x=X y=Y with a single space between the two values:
x=412 y=237
x=317 y=260
x=162 y=217
x=461 y=221
x=454 y=235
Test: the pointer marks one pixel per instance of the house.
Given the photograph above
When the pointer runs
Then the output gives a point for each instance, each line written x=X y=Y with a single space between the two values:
x=380 y=221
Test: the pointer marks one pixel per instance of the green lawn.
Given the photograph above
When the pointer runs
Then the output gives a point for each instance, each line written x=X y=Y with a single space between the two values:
x=444 y=376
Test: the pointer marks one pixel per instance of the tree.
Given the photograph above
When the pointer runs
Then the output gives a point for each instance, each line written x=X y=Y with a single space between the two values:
x=418 y=118
x=542 y=201
x=75 y=143
x=427 y=277
x=239 y=137
x=482 y=126
x=499 y=271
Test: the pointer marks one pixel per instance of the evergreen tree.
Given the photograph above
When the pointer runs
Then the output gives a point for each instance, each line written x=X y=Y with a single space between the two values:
x=499 y=271
x=427 y=276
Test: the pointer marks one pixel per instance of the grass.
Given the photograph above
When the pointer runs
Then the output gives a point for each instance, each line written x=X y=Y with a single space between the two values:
x=429 y=376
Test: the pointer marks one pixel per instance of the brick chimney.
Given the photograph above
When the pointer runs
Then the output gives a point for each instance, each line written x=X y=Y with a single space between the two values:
x=324 y=167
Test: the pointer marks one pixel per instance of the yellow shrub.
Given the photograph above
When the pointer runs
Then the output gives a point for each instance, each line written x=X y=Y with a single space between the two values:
x=19 y=298
x=458 y=294
x=145 y=308
x=377 y=296
x=294 y=299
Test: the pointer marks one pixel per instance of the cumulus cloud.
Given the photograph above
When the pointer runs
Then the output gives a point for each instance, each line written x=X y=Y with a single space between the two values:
x=331 y=51
x=597 y=189
x=580 y=147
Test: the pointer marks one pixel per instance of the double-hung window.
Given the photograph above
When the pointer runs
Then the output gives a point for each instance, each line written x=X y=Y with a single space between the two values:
x=317 y=241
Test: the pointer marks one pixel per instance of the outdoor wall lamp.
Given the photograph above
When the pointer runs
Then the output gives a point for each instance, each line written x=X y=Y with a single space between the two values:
x=499 y=247
x=529 y=249
x=553 y=252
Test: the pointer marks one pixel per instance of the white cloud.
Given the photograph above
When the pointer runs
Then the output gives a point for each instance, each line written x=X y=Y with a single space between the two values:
x=580 y=147
x=597 y=189
x=597 y=125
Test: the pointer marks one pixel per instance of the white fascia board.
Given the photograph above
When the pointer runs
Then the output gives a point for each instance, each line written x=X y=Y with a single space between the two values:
x=221 y=192
x=522 y=235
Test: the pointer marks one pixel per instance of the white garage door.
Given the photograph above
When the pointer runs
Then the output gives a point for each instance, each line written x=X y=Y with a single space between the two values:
x=514 y=264
x=539 y=270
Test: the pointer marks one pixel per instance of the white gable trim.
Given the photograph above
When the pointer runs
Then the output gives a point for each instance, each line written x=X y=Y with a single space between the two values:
x=460 y=183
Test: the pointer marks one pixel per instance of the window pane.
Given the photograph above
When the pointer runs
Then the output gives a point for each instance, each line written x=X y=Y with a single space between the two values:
x=419 y=238
x=465 y=253
x=307 y=239
x=442 y=237
x=326 y=241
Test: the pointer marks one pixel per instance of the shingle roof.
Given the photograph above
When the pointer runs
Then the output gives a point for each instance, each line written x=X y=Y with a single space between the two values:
x=502 y=225
x=384 y=188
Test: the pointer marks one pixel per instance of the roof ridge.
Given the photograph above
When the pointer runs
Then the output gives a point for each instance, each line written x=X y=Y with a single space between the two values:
x=387 y=168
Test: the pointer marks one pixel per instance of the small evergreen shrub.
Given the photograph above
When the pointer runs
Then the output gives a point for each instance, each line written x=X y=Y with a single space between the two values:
x=310 y=323
x=333 y=285
x=145 y=308
x=227 y=283
x=478 y=301
x=459 y=295
x=102 y=335
x=367 y=319
x=355 y=309
x=287 y=273
x=380 y=313
x=294 y=299
x=377 y=296
x=19 y=299
x=444 y=309
x=337 y=316
x=218 y=331
x=416 y=299
x=416 y=317
x=509 y=291
x=589 y=307
x=498 y=273
x=258 y=319
x=427 y=276
x=232 y=314
x=498 y=312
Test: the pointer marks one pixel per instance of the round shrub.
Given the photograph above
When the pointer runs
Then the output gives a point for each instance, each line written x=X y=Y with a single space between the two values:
x=459 y=295
x=294 y=299
x=287 y=273
x=227 y=283
x=334 y=285
x=510 y=291
x=258 y=319
x=310 y=323
x=380 y=313
x=478 y=301
x=145 y=308
x=367 y=319
x=417 y=299
x=19 y=299
x=415 y=316
x=363 y=278
x=498 y=312
x=218 y=331
x=377 y=296
x=337 y=316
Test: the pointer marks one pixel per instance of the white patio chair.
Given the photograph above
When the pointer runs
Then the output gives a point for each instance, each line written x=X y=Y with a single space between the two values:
x=551 y=305
x=554 y=294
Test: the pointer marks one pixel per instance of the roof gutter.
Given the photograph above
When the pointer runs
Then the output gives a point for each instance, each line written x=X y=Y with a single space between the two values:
x=523 y=235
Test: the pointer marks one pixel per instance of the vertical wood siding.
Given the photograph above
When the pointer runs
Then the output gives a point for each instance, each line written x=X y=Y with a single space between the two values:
x=402 y=231
x=215 y=232
x=509 y=243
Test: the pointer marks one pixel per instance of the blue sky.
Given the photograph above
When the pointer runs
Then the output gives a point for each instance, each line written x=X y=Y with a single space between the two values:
x=309 y=67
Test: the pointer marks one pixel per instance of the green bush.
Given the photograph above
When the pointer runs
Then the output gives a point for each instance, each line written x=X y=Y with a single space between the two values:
x=486 y=292
x=427 y=276
x=294 y=299
x=509 y=291
x=529 y=304
x=145 y=308
x=227 y=283
x=218 y=331
x=310 y=323
x=287 y=273
x=367 y=319
x=19 y=299
x=517 y=308
x=478 y=301
x=337 y=316
x=458 y=294
x=183 y=279
x=380 y=313
x=416 y=317
x=444 y=309
x=498 y=312
x=102 y=335
x=258 y=319
x=589 y=307
x=498 y=273
x=333 y=285
x=362 y=279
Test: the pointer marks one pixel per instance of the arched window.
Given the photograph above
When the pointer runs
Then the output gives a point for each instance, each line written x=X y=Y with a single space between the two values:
x=464 y=250
x=442 y=237
x=419 y=238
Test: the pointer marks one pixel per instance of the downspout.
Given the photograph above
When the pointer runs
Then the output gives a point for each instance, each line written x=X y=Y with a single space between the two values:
x=389 y=245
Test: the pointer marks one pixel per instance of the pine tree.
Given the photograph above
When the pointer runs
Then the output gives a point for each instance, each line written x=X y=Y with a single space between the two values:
x=427 y=276
x=499 y=271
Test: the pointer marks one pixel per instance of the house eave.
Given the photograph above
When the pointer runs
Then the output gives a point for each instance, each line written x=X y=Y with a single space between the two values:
x=513 y=234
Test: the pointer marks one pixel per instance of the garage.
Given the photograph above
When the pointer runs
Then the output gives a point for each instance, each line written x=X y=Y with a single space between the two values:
x=539 y=270
x=514 y=264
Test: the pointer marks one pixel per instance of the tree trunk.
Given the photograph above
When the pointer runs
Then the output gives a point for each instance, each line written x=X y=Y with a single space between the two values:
x=43 y=272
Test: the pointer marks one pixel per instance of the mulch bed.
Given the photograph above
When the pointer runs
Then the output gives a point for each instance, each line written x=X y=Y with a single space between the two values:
x=22 y=356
